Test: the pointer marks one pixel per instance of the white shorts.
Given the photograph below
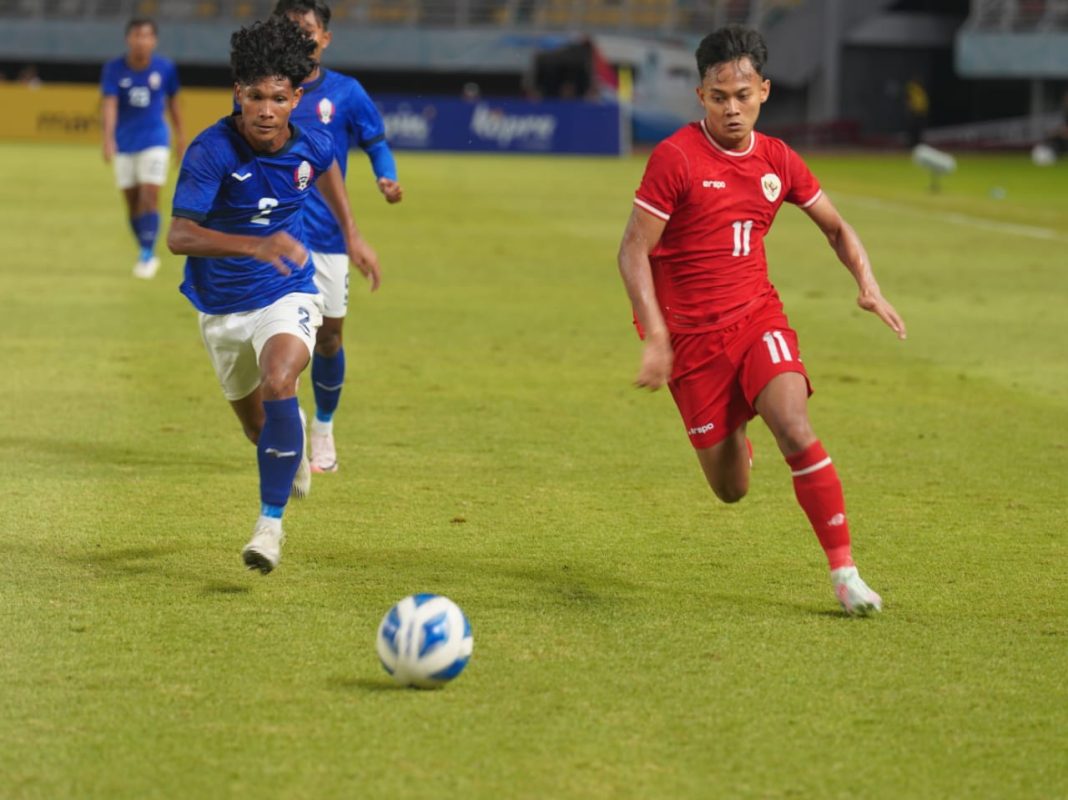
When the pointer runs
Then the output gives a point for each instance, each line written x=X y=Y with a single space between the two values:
x=235 y=341
x=332 y=278
x=144 y=166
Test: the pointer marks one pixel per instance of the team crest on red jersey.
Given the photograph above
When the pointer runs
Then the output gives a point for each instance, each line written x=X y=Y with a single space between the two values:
x=302 y=175
x=771 y=185
x=325 y=110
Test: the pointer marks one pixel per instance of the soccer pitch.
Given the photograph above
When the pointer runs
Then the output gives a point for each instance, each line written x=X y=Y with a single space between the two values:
x=633 y=637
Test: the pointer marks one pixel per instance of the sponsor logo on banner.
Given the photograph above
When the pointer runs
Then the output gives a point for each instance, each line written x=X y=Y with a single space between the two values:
x=532 y=130
x=771 y=185
x=407 y=128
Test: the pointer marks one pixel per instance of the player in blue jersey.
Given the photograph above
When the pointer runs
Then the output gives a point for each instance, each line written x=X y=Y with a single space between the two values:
x=339 y=105
x=239 y=217
x=136 y=89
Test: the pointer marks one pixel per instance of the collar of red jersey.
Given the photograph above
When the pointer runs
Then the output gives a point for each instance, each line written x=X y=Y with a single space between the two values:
x=734 y=153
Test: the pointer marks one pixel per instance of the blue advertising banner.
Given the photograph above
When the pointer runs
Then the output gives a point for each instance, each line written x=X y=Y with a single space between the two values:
x=504 y=126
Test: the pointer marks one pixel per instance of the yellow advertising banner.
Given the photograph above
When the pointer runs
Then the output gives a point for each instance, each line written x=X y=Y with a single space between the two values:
x=67 y=112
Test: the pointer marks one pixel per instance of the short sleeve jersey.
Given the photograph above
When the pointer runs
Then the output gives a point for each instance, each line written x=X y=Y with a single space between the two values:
x=339 y=105
x=141 y=94
x=719 y=204
x=226 y=186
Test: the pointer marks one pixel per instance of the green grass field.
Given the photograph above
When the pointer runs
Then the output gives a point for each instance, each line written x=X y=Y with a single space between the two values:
x=633 y=637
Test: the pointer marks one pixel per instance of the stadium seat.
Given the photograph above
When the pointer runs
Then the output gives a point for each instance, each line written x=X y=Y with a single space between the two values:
x=384 y=12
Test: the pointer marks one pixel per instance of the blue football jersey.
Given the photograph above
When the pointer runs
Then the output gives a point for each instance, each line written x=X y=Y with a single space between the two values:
x=141 y=96
x=339 y=105
x=227 y=186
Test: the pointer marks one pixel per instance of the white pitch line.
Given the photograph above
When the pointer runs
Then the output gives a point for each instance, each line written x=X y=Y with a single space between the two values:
x=1030 y=231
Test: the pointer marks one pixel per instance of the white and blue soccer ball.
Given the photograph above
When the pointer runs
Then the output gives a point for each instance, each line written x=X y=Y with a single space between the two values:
x=424 y=641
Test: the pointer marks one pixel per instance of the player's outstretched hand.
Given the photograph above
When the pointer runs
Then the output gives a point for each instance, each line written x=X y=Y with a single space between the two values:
x=366 y=261
x=656 y=363
x=109 y=150
x=872 y=300
x=283 y=251
x=391 y=190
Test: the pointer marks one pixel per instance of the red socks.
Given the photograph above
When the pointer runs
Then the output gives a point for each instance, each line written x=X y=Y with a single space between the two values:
x=819 y=492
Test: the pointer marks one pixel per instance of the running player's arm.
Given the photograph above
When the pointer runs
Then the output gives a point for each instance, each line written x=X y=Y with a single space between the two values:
x=641 y=235
x=176 y=123
x=850 y=251
x=369 y=132
x=188 y=238
x=109 y=117
x=175 y=113
x=109 y=111
x=332 y=187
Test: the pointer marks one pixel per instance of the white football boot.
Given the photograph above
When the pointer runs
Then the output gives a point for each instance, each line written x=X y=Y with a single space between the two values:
x=323 y=451
x=146 y=269
x=264 y=549
x=302 y=481
x=856 y=597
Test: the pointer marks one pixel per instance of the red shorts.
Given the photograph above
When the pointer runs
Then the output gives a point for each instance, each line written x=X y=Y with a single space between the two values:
x=717 y=375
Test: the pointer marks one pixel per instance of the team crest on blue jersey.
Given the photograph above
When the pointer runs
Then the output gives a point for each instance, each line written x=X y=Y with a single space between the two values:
x=326 y=110
x=771 y=185
x=155 y=80
x=302 y=175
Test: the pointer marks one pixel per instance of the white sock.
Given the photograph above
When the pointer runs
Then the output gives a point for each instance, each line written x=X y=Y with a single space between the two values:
x=274 y=523
x=320 y=428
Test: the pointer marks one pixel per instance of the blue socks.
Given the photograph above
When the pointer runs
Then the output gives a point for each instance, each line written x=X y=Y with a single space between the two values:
x=328 y=376
x=279 y=452
x=146 y=229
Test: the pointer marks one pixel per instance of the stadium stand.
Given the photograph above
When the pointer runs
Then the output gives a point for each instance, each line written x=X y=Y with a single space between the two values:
x=667 y=17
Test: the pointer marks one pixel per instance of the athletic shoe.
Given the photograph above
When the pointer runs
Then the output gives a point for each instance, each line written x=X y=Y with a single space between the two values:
x=323 y=452
x=302 y=481
x=853 y=593
x=264 y=549
x=146 y=269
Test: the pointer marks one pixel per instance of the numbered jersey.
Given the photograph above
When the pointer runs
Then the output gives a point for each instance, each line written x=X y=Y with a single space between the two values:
x=710 y=265
x=141 y=94
x=226 y=186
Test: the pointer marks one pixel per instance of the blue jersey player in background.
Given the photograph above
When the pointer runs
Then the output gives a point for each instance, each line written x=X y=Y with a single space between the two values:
x=239 y=217
x=136 y=88
x=339 y=105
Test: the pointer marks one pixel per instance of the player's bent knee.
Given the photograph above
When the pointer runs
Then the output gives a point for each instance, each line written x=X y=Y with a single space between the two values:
x=794 y=435
x=730 y=494
x=327 y=343
x=278 y=386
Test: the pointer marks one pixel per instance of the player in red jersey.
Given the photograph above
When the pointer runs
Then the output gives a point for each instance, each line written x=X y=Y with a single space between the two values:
x=692 y=260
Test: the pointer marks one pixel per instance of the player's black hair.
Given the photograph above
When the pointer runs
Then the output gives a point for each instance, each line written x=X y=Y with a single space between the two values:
x=730 y=44
x=137 y=22
x=302 y=7
x=276 y=48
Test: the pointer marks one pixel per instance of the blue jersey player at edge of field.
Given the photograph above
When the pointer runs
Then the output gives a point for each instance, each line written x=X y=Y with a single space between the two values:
x=136 y=87
x=339 y=105
x=238 y=216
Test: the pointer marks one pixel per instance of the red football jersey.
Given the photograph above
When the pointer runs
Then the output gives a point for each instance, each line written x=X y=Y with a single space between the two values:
x=709 y=265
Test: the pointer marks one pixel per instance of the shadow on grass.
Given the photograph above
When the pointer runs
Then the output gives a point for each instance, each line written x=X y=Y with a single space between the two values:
x=81 y=453
x=350 y=684
x=224 y=587
x=126 y=560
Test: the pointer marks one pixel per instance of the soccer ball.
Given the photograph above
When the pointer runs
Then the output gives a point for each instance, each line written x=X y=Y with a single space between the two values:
x=424 y=641
x=1042 y=155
